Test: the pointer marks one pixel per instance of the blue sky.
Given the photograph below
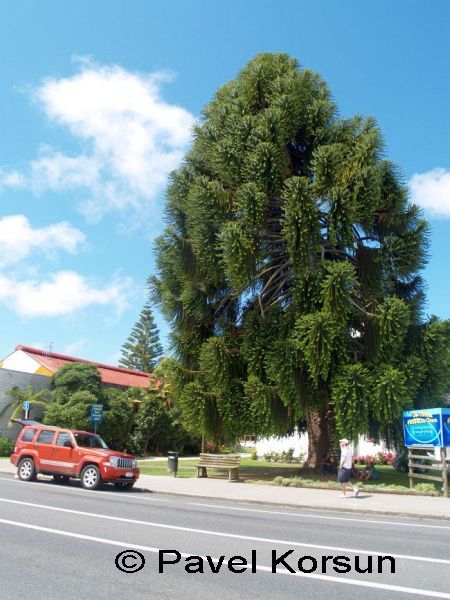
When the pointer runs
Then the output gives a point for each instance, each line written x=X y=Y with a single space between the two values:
x=96 y=106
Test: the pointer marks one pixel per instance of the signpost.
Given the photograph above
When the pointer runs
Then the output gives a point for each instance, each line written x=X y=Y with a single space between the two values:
x=96 y=415
x=26 y=408
x=428 y=428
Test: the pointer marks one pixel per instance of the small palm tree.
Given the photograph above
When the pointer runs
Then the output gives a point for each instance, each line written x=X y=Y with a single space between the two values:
x=19 y=396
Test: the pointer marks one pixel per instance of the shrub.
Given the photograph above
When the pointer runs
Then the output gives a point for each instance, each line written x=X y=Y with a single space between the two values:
x=384 y=458
x=293 y=481
x=6 y=447
x=286 y=456
x=381 y=458
x=425 y=487
x=253 y=455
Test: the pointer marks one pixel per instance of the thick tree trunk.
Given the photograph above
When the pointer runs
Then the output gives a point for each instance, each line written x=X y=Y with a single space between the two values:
x=321 y=433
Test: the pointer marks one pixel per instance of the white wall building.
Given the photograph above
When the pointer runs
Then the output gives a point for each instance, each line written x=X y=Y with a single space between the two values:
x=300 y=445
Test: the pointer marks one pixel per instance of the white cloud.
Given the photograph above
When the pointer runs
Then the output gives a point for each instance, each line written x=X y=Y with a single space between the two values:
x=75 y=347
x=18 y=238
x=114 y=359
x=124 y=139
x=58 y=172
x=64 y=293
x=131 y=139
x=11 y=179
x=431 y=191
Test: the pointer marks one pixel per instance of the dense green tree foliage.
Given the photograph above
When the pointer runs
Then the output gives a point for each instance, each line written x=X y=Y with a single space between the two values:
x=142 y=349
x=75 y=377
x=75 y=386
x=135 y=419
x=119 y=419
x=290 y=269
x=159 y=426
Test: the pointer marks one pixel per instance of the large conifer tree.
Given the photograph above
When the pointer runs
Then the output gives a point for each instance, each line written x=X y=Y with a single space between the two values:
x=142 y=348
x=290 y=268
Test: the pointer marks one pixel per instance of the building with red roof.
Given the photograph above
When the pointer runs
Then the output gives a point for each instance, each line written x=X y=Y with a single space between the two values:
x=42 y=362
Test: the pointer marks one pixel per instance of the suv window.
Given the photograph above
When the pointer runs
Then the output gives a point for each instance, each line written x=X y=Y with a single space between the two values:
x=45 y=437
x=28 y=435
x=63 y=437
x=87 y=440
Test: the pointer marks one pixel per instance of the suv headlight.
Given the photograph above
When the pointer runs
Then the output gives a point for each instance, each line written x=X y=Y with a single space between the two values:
x=114 y=460
x=134 y=463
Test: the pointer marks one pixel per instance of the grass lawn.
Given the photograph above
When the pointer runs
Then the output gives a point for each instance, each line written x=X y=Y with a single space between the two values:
x=250 y=469
x=259 y=470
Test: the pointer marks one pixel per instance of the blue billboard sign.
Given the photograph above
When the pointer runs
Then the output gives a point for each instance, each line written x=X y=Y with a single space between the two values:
x=427 y=427
x=97 y=413
x=446 y=428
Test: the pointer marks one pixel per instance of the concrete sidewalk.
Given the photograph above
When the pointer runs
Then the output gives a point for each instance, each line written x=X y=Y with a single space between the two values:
x=367 y=502
x=221 y=489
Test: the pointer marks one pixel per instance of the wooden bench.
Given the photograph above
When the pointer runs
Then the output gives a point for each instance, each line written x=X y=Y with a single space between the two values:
x=229 y=462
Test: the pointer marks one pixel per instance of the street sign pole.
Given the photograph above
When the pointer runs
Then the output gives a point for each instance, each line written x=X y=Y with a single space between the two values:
x=26 y=408
x=96 y=415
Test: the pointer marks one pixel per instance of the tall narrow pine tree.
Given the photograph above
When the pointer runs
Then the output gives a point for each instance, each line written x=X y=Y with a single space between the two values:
x=142 y=349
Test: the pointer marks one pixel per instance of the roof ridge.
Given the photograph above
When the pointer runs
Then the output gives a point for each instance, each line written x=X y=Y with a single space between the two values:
x=49 y=354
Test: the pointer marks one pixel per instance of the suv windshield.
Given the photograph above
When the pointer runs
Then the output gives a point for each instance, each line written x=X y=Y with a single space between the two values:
x=86 y=440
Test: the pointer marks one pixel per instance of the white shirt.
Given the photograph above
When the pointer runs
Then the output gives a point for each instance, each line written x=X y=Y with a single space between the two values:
x=346 y=457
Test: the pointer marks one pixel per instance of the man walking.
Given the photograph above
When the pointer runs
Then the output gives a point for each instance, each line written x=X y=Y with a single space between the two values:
x=346 y=469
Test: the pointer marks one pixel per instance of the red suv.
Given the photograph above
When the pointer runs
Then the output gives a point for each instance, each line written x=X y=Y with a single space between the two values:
x=64 y=454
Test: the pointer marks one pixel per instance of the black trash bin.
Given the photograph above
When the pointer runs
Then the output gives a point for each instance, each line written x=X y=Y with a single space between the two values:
x=172 y=462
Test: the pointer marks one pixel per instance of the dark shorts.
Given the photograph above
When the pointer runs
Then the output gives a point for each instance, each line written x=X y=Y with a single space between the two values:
x=344 y=475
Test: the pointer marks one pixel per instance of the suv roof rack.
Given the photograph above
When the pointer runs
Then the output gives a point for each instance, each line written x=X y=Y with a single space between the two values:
x=25 y=422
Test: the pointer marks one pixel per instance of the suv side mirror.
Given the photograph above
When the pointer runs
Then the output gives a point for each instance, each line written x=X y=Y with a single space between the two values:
x=68 y=444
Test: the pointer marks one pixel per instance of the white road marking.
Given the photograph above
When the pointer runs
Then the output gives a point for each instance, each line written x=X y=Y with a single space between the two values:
x=326 y=517
x=120 y=495
x=263 y=568
x=224 y=534
x=77 y=490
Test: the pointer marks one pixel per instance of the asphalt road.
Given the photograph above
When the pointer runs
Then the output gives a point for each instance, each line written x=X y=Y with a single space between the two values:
x=61 y=542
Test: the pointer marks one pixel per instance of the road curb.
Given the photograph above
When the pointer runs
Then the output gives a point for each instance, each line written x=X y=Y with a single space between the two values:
x=338 y=509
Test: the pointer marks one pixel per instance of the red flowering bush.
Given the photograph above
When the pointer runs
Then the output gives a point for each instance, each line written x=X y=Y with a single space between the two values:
x=384 y=458
x=381 y=458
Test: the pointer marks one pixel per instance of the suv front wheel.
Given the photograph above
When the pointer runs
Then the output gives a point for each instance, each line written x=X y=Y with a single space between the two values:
x=90 y=477
x=26 y=470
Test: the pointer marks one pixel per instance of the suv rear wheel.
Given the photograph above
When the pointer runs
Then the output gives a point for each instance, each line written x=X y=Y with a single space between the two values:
x=90 y=477
x=26 y=470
